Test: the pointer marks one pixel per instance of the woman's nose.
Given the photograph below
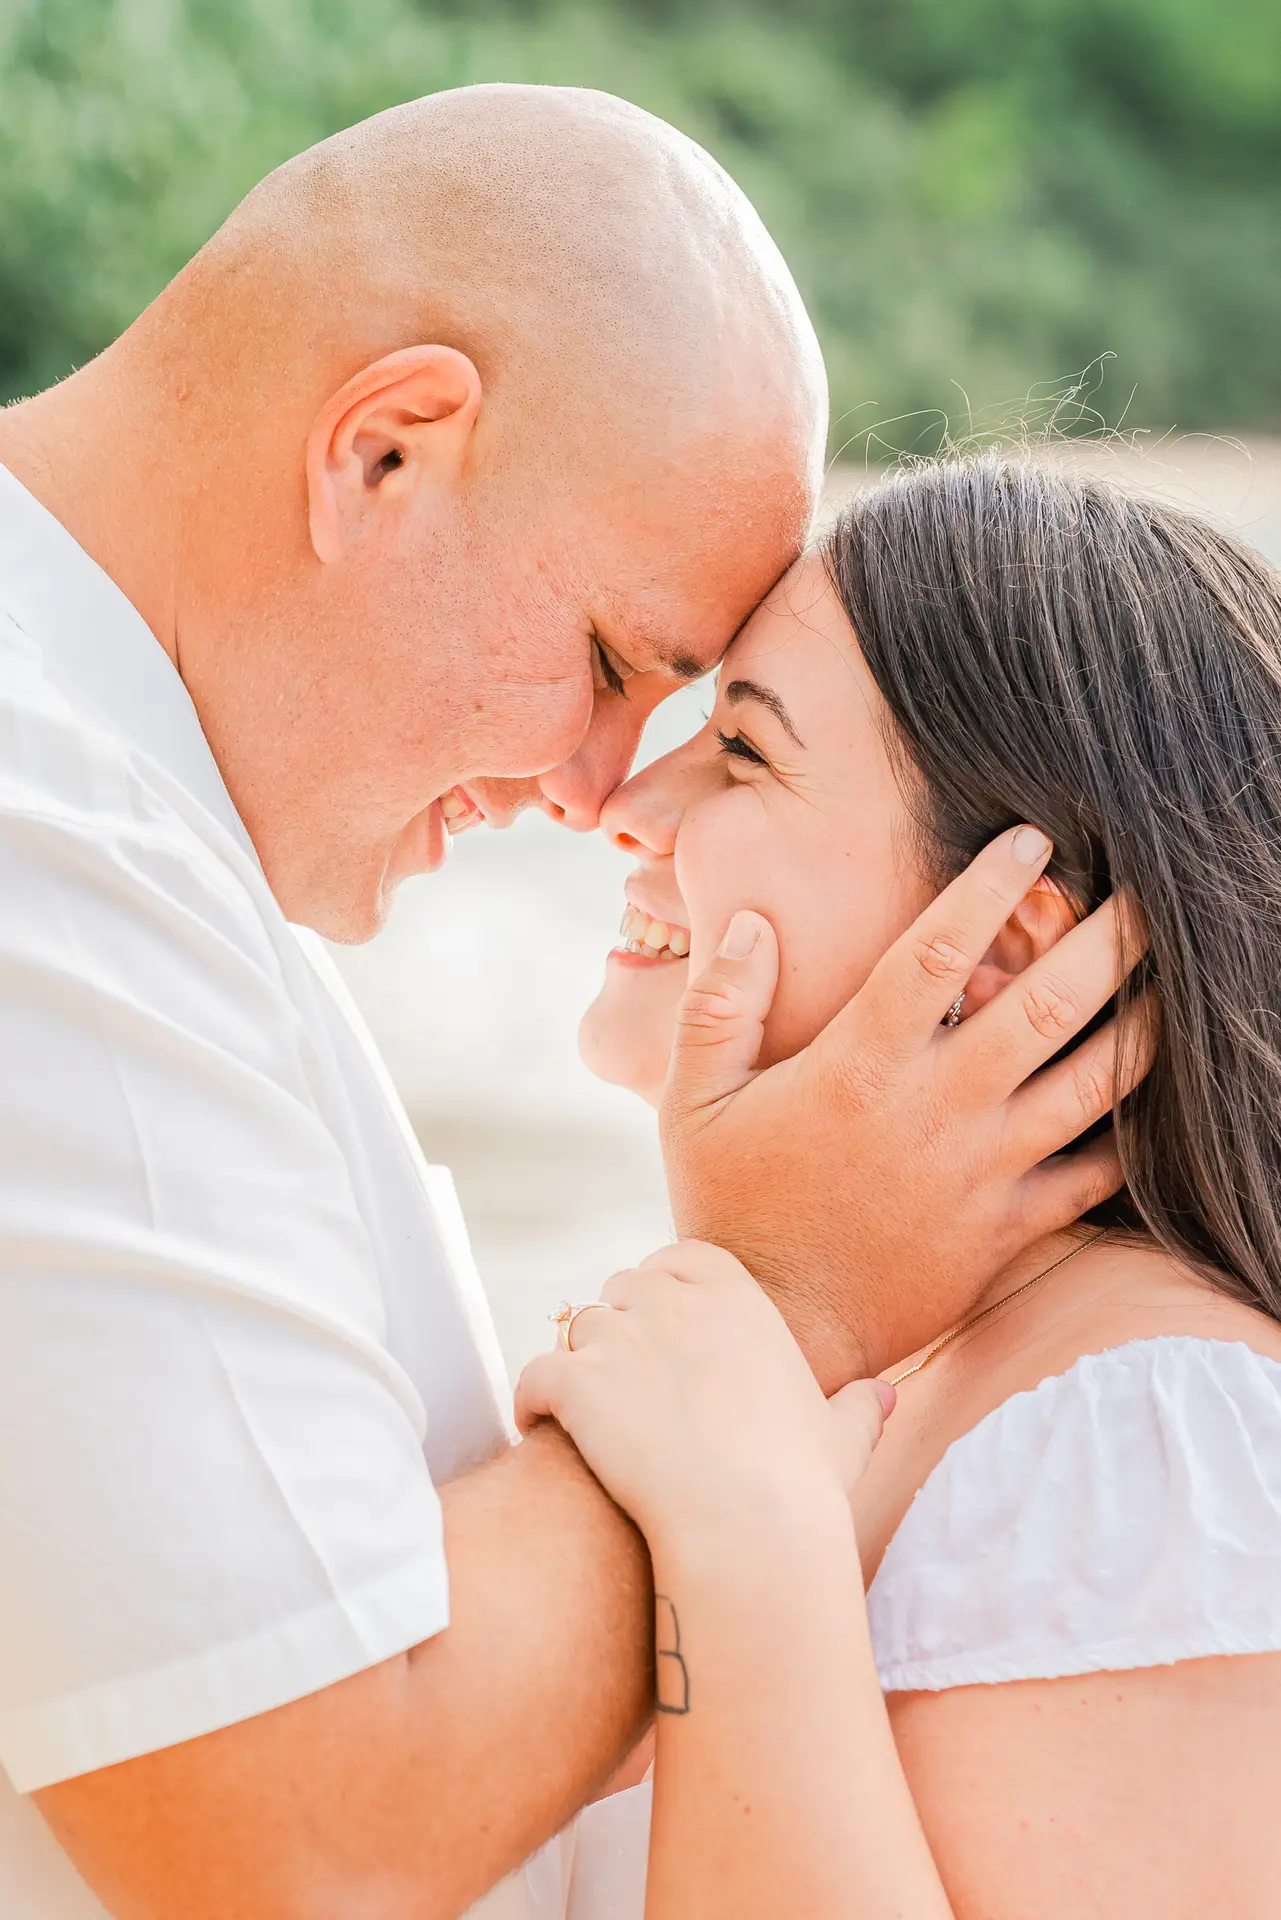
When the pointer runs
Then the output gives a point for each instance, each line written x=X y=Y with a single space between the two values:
x=644 y=815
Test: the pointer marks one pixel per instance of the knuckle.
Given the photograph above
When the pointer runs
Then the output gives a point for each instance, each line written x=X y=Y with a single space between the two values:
x=1100 y=1186
x=1050 y=1009
x=942 y=956
x=705 y=1008
x=1093 y=1079
x=991 y=894
x=689 y=1259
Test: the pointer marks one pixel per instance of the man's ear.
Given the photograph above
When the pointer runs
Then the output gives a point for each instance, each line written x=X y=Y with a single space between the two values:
x=1041 y=917
x=401 y=423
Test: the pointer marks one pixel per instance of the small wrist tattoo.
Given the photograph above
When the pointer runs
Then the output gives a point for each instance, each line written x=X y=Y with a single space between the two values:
x=671 y=1673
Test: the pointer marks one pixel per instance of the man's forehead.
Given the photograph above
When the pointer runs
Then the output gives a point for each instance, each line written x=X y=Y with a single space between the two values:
x=675 y=604
x=654 y=649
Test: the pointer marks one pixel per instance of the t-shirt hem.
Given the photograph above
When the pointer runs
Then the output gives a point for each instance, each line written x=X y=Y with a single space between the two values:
x=97 y=1727
x=1116 y=1656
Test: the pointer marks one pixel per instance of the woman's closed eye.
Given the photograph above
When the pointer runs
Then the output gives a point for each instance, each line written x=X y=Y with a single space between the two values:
x=736 y=747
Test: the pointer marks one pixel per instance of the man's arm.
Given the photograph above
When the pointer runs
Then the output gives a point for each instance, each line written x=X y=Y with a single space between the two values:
x=404 y=1792
x=407 y=1790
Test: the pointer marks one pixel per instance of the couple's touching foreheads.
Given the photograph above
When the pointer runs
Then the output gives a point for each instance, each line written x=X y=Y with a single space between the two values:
x=904 y=1540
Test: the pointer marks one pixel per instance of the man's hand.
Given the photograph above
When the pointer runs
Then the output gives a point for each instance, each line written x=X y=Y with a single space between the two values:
x=876 y=1182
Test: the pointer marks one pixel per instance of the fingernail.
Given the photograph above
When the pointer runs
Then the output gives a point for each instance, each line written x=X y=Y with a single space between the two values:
x=741 y=936
x=887 y=1397
x=1030 y=846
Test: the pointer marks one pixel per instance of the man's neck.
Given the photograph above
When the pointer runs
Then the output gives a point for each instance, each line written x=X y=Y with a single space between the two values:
x=81 y=450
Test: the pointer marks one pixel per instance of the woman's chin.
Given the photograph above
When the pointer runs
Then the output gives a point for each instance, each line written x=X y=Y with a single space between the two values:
x=625 y=1036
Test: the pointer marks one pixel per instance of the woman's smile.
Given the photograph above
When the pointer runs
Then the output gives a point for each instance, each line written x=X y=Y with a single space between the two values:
x=646 y=938
x=787 y=802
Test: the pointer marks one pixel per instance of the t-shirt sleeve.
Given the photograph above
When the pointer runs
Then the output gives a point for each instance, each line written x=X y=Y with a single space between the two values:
x=213 y=1496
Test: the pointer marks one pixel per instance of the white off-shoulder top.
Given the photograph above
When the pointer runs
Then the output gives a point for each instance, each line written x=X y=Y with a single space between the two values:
x=1125 y=1513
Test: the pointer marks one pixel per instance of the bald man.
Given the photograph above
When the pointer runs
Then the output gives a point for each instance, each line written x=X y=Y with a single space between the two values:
x=474 y=432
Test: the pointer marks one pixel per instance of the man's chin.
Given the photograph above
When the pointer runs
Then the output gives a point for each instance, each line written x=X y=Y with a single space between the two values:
x=347 y=901
x=348 y=920
x=423 y=847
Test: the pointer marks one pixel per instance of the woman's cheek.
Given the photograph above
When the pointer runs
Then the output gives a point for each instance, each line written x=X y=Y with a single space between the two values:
x=824 y=958
x=715 y=860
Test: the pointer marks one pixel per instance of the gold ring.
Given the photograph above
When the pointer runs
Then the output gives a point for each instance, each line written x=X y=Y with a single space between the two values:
x=563 y=1319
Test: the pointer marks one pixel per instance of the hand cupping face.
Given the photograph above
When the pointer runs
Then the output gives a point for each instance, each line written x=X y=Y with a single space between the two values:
x=876 y=1182
x=881 y=1170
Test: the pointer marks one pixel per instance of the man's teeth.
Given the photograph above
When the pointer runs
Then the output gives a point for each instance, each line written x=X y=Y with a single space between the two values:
x=652 y=937
x=458 y=811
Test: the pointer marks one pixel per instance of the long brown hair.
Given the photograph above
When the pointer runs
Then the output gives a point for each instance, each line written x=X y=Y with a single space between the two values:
x=1052 y=649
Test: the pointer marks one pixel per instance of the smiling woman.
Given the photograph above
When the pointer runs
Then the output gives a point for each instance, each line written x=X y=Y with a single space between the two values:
x=1030 y=647
x=786 y=803
x=1080 y=1488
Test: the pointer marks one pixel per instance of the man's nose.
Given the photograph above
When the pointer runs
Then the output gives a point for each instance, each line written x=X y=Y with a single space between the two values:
x=576 y=790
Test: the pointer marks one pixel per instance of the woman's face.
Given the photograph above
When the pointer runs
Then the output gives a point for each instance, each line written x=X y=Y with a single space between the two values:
x=786 y=802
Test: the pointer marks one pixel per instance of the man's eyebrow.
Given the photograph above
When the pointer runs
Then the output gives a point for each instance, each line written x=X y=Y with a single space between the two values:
x=753 y=690
x=683 y=665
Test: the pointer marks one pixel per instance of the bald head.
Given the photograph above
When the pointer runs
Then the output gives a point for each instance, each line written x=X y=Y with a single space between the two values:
x=603 y=273
x=473 y=431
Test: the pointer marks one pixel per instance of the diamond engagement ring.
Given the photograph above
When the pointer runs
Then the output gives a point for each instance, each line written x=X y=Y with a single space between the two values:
x=564 y=1317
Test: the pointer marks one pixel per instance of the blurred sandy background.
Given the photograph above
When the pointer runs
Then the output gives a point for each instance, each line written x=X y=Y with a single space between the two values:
x=475 y=988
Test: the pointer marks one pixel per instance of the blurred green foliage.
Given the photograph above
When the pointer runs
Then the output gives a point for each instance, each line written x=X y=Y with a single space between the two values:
x=976 y=194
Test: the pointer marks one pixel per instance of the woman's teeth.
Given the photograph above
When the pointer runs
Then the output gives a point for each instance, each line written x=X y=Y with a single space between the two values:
x=652 y=937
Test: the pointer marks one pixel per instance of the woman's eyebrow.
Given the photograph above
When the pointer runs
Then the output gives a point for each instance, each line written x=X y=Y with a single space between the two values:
x=753 y=690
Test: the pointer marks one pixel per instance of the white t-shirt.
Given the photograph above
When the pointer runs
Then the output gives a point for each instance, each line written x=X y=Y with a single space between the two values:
x=240 y=1329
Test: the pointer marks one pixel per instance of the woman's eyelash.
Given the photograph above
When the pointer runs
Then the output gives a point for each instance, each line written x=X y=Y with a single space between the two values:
x=735 y=744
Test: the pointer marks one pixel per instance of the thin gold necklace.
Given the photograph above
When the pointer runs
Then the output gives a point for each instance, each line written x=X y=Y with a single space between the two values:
x=946 y=1339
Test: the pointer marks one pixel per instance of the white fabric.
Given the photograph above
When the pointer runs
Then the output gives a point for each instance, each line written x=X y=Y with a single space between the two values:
x=239 y=1326
x=1126 y=1513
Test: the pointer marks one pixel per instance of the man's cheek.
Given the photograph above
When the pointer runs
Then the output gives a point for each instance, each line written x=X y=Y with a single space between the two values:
x=556 y=722
x=517 y=733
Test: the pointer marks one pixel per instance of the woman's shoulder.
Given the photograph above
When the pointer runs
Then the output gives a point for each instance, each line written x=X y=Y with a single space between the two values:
x=1123 y=1512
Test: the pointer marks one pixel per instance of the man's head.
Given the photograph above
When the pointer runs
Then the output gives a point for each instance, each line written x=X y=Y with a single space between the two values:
x=465 y=414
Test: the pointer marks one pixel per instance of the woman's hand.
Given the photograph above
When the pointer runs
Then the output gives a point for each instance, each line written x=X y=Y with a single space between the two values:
x=693 y=1405
x=777 y=1789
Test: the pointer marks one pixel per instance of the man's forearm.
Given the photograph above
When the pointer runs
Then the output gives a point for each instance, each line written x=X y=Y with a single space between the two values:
x=567 y=1645
x=404 y=1792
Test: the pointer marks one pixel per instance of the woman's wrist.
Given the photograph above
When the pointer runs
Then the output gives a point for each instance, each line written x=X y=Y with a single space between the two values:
x=756 y=1528
x=757 y=1606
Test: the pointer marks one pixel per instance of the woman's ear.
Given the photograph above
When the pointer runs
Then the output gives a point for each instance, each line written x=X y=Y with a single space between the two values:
x=1041 y=917
x=392 y=433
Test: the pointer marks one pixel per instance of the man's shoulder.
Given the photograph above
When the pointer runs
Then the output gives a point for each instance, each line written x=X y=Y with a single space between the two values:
x=106 y=827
